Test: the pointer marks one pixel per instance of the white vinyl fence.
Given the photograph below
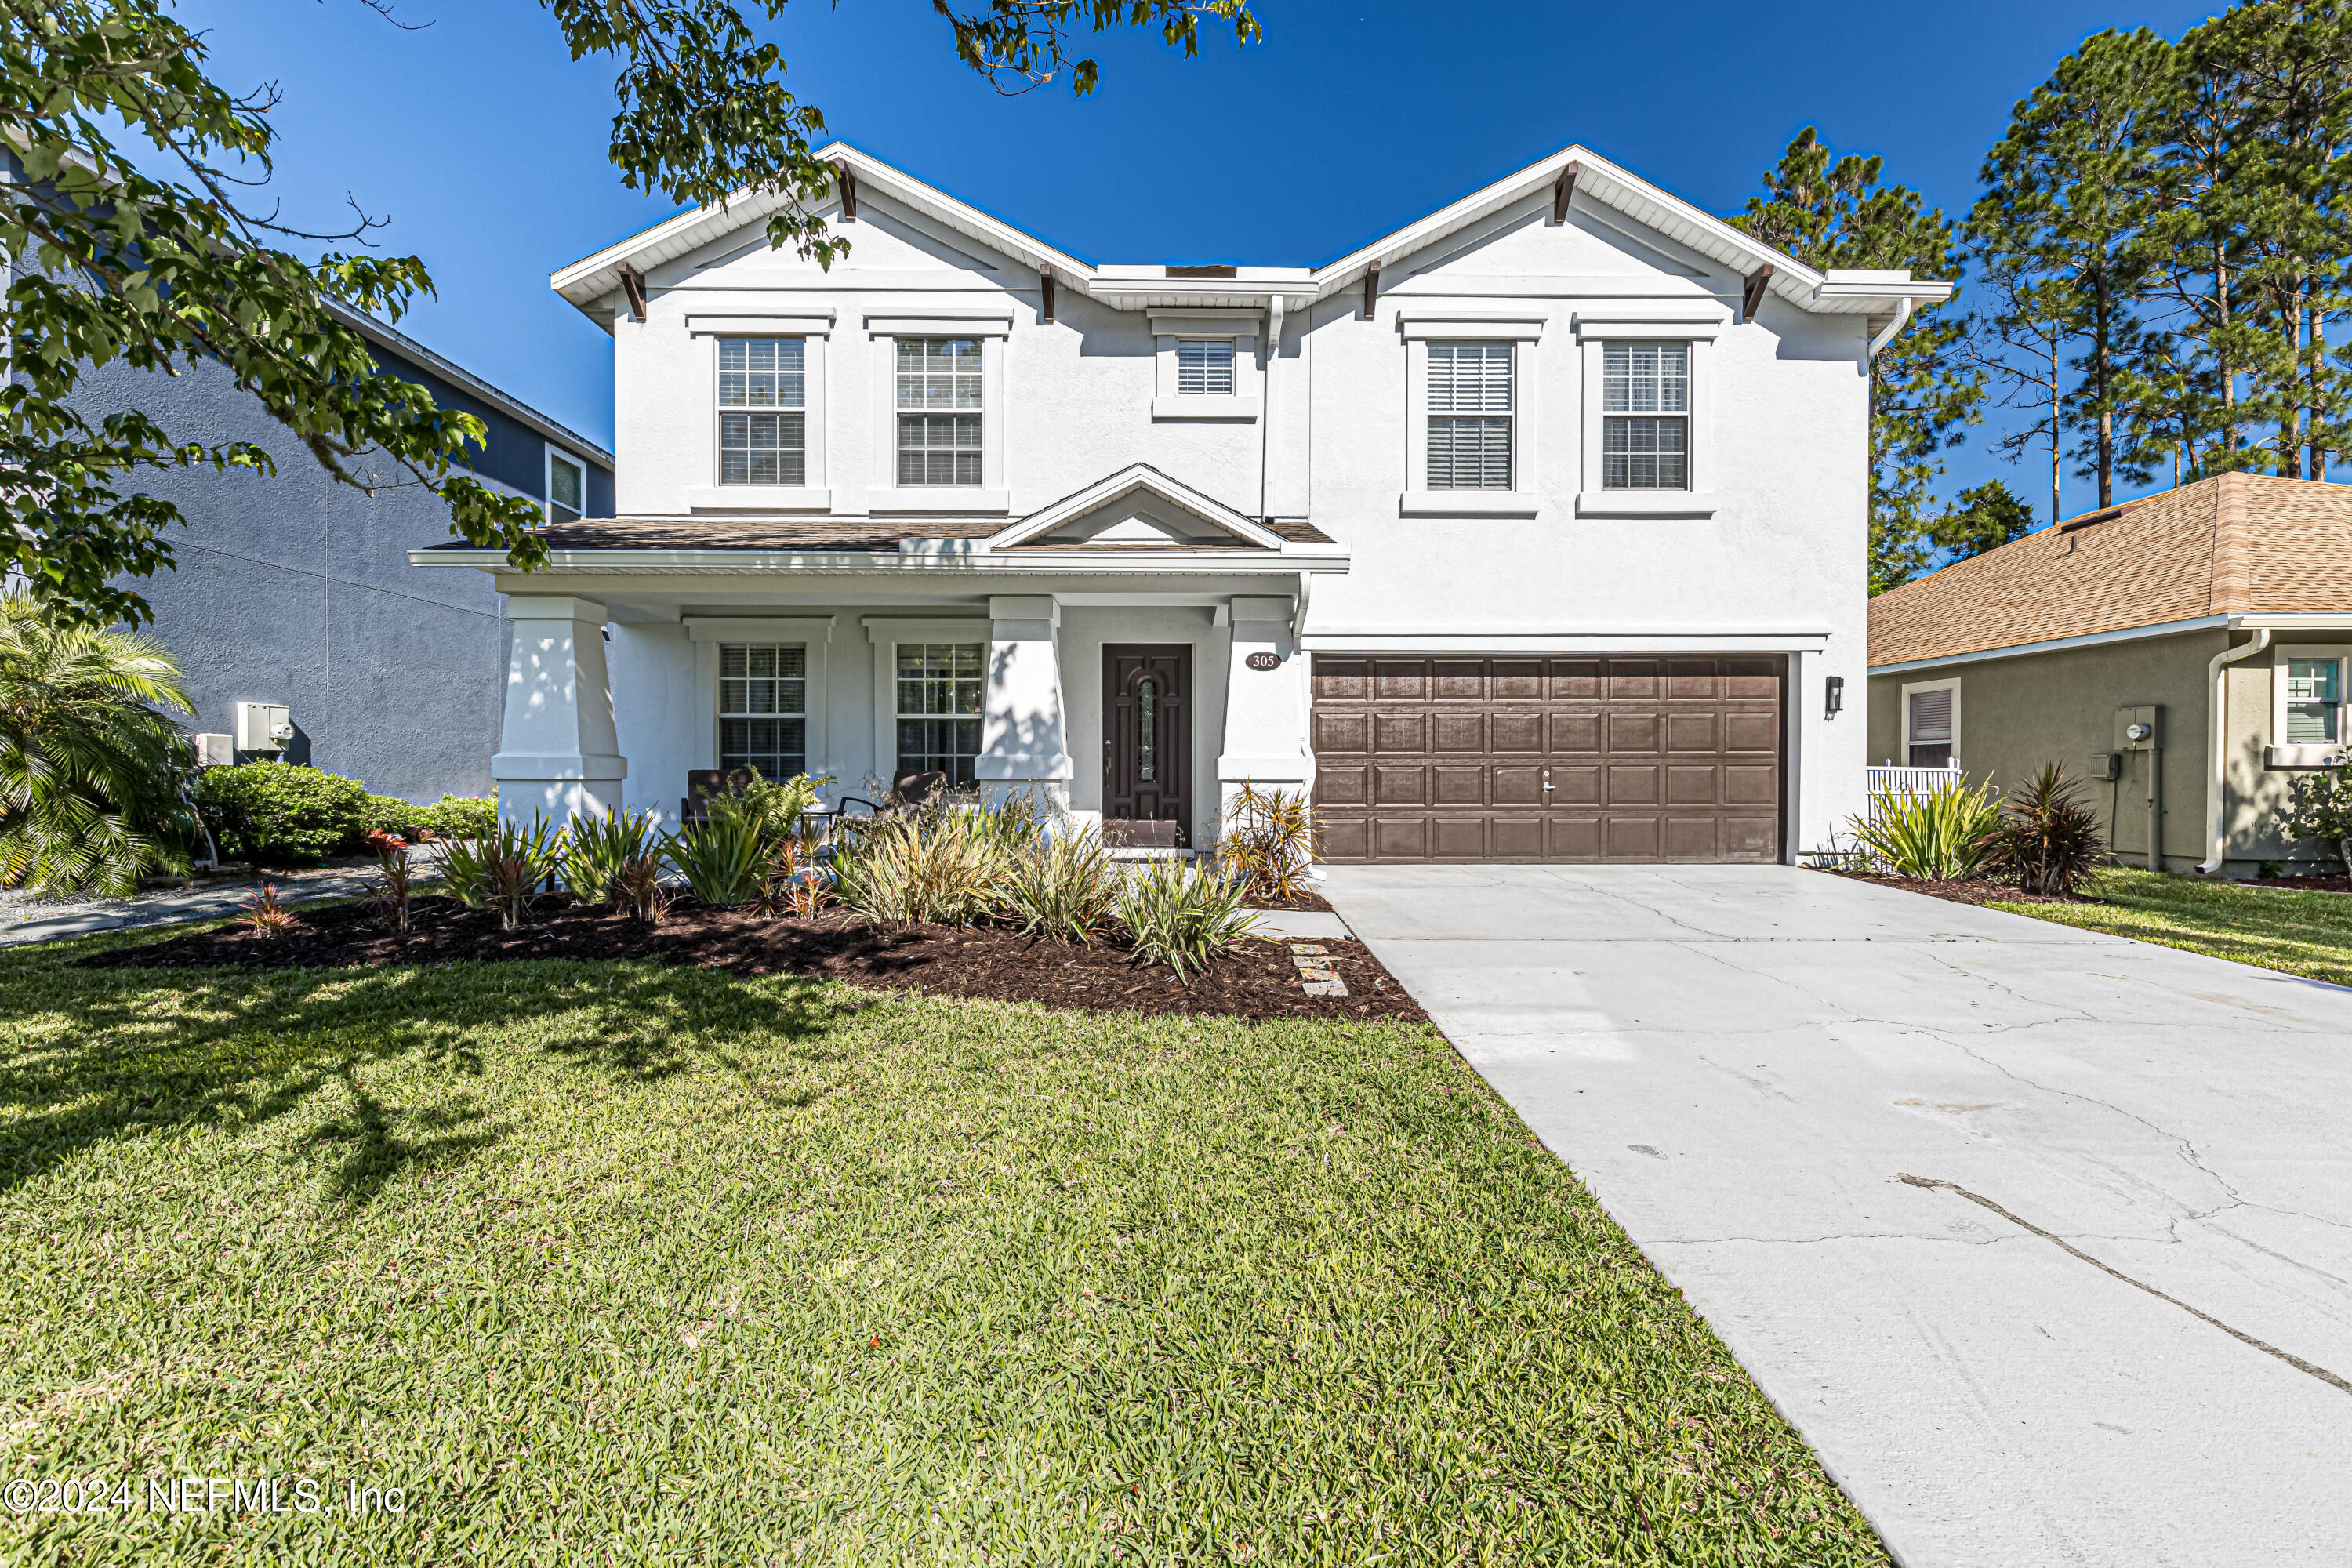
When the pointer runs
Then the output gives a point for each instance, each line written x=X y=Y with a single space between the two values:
x=1885 y=781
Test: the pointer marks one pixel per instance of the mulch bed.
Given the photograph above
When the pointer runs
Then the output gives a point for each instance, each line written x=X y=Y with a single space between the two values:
x=1253 y=981
x=2304 y=884
x=1975 y=890
x=1307 y=899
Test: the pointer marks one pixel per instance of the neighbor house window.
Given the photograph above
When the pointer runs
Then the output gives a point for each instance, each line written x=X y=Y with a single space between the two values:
x=1470 y=416
x=762 y=411
x=2315 y=702
x=939 y=412
x=764 y=708
x=939 y=709
x=1927 y=728
x=1645 y=416
x=567 y=489
x=1204 y=367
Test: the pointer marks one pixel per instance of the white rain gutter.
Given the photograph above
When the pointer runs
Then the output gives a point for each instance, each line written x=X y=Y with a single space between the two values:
x=2217 y=731
x=1902 y=314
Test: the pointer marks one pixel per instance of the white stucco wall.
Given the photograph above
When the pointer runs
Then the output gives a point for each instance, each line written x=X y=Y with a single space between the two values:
x=1776 y=565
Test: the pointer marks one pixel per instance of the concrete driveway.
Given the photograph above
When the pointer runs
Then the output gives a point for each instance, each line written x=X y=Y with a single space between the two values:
x=1742 y=1062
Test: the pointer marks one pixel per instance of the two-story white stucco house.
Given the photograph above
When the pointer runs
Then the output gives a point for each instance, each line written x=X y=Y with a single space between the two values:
x=1531 y=531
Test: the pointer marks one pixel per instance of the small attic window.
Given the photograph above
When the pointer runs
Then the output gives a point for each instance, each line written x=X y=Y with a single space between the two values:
x=1213 y=271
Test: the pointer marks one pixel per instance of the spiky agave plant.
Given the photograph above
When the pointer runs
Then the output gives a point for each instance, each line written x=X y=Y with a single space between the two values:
x=596 y=850
x=1182 y=915
x=1941 y=835
x=89 y=762
x=2047 y=839
x=1269 y=843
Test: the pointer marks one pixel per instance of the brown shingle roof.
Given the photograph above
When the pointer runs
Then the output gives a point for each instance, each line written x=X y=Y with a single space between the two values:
x=791 y=534
x=2234 y=543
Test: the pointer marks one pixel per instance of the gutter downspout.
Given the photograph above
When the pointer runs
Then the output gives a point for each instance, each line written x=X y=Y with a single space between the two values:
x=2217 y=731
x=1902 y=315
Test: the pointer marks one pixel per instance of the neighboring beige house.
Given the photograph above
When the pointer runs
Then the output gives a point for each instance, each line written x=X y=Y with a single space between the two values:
x=2185 y=655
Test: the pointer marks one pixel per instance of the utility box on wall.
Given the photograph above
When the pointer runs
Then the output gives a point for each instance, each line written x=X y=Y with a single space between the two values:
x=214 y=751
x=2138 y=727
x=263 y=727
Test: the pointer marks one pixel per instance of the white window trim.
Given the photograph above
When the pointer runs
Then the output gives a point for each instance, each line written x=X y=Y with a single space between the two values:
x=816 y=494
x=886 y=633
x=1522 y=500
x=1594 y=332
x=1242 y=327
x=550 y=452
x=2278 y=754
x=884 y=494
x=1950 y=683
x=813 y=632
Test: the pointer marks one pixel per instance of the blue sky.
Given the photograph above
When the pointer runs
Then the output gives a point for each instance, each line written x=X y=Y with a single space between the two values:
x=484 y=145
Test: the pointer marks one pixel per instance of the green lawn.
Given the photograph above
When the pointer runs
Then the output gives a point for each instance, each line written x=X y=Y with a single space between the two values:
x=632 y=1264
x=2299 y=933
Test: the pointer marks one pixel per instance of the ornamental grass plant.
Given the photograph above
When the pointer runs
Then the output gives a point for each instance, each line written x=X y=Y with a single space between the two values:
x=597 y=848
x=1063 y=885
x=943 y=863
x=1939 y=837
x=721 y=858
x=1181 y=914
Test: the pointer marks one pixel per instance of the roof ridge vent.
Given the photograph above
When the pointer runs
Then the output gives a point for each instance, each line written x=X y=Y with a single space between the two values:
x=2107 y=514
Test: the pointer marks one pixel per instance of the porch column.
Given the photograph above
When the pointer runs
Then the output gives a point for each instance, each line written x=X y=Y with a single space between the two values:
x=1265 y=710
x=559 y=753
x=1023 y=743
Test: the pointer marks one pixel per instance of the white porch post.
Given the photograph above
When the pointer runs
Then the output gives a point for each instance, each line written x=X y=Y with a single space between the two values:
x=1024 y=740
x=1265 y=710
x=559 y=753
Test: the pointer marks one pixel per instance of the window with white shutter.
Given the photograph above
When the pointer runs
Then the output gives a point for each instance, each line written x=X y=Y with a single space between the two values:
x=762 y=411
x=1470 y=416
x=1204 y=367
x=764 y=708
x=1929 y=728
x=1645 y=416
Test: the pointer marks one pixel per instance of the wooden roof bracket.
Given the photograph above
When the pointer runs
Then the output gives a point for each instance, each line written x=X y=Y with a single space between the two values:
x=1045 y=288
x=1751 y=294
x=848 y=183
x=1561 y=190
x=633 y=284
x=1371 y=287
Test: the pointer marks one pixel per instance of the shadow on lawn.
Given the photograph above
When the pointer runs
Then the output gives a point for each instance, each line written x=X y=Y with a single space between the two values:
x=127 y=1055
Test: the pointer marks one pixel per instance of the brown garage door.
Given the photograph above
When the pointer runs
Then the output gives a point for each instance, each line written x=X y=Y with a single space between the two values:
x=1648 y=758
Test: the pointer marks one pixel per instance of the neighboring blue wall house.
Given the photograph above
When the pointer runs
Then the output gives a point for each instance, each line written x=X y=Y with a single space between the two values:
x=297 y=589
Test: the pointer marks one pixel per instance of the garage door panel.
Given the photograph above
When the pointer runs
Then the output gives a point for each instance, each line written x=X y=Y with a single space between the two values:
x=1459 y=837
x=1458 y=733
x=1516 y=731
x=1457 y=784
x=1674 y=757
x=1393 y=785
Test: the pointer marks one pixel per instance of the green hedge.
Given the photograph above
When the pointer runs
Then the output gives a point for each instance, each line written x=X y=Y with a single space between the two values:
x=282 y=814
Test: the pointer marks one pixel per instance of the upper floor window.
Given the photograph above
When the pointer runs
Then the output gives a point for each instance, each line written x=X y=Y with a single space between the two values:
x=1204 y=367
x=1470 y=416
x=762 y=411
x=1645 y=416
x=567 y=489
x=939 y=412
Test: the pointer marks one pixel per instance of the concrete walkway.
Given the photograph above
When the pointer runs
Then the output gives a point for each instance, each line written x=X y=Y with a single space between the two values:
x=1743 y=1062
x=25 y=920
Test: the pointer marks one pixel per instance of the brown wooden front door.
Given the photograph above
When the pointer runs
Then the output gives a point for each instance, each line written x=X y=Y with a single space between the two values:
x=1147 y=734
x=1431 y=758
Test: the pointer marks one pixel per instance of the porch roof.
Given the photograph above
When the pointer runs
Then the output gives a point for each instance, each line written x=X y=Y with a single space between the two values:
x=826 y=534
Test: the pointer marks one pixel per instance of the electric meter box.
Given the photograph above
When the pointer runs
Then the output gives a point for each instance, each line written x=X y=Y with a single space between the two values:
x=263 y=727
x=2139 y=728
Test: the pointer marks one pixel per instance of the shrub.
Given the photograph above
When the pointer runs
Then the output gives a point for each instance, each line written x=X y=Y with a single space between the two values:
x=278 y=813
x=597 y=849
x=91 y=772
x=1269 y=844
x=768 y=808
x=465 y=873
x=1065 y=886
x=2046 y=838
x=2321 y=811
x=503 y=869
x=1937 y=837
x=638 y=886
x=721 y=860
x=264 y=914
x=937 y=865
x=456 y=816
x=1182 y=915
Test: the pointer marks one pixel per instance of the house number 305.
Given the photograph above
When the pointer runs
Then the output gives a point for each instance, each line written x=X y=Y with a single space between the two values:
x=1265 y=661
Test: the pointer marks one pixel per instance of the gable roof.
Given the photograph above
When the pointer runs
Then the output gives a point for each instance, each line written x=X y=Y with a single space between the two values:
x=1873 y=295
x=1235 y=529
x=2236 y=543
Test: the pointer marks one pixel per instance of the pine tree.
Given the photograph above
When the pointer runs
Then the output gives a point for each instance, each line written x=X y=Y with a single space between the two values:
x=2069 y=192
x=2020 y=342
x=1984 y=517
x=1830 y=212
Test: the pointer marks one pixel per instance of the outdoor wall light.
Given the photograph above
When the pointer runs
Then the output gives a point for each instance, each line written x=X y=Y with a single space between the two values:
x=1836 y=696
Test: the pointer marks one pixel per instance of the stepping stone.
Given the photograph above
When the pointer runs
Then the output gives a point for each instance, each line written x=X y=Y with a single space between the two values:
x=1331 y=987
